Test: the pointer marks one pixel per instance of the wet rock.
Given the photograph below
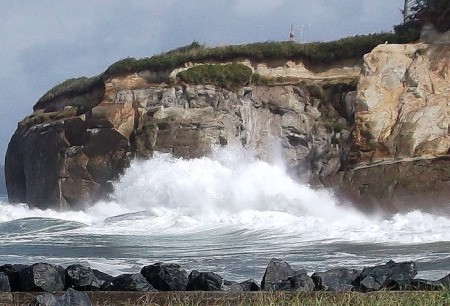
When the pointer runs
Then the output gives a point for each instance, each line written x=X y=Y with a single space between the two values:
x=231 y=286
x=300 y=281
x=46 y=299
x=425 y=285
x=166 y=277
x=276 y=273
x=445 y=280
x=340 y=279
x=251 y=285
x=75 y=298
x=130 y=282
x=41 y=277
x=4 y=283
x=70 y=298
x=104 y=279
x=13 y=273
x=390 y=276
x=204 y=281
x=82 y=278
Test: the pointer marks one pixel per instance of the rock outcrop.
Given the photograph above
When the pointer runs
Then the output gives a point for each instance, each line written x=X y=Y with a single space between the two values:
x=401 y=136
x=67 y=152
x=387 y=142
x=2 y=181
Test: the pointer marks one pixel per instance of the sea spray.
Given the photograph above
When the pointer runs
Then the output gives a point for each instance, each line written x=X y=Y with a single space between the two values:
x=229 y=213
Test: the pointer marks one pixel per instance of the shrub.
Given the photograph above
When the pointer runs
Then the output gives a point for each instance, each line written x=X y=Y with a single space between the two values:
x=228 y=76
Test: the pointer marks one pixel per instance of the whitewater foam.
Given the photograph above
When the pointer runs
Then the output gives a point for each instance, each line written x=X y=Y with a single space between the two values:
x=234 y=190
x=228 y=213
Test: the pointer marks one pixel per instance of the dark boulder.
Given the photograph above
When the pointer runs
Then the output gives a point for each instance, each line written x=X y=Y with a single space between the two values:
x=130 y=282
x=104 y=279
x=276 y=273
x=339 y=279
x=41 y=277
x=300 y=281
x=4 y=283
x=231 y=286
x=13 y=273
x=425 y=285
x=75 y=298
x=390 y=276
x=445 y=280
x=81 y=278
x=166 y=277
x=251 y=285
x=46 y=299
x=70 y=298
x=204 y=281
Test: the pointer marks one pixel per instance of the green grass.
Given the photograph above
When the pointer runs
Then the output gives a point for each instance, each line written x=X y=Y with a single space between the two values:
x=229 y=76
x=312 y=54
x=74 y=86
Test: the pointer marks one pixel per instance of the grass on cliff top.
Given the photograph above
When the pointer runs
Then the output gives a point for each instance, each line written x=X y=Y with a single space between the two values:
x=315 y=53
x=228 y=76
x=74 y=86
x=312 y=53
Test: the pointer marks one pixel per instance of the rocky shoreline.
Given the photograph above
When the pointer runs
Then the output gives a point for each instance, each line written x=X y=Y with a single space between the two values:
x=75 y=280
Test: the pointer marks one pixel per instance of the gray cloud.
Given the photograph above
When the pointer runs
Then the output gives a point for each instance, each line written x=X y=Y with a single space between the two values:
x=42 y=43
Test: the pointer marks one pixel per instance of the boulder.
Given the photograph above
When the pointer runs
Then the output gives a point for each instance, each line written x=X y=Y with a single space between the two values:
x=445 y=280
x=70 y=298
x=205 y=281
x=251 y=285
x=277 y=272
x=425 y=285
x=104 y=279
x=41 y=277
x=390 y=276
x=82 y=278
x=130 y=282
x=75 y=298
x=46 y=299
x=4 y=283
x=166 y=277
x=13 y=273
x=338 y=280
x=230 y=286
x=300 y=281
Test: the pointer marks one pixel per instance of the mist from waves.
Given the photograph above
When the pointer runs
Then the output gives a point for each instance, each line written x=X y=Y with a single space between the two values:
x=229 y=213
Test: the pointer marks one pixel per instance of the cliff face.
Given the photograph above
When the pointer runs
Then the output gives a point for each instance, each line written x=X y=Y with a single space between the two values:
x=2 y=181
x=66 y=153
x=401 y=136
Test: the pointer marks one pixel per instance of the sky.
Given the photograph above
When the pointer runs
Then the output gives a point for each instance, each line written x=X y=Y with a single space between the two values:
x=43 y=42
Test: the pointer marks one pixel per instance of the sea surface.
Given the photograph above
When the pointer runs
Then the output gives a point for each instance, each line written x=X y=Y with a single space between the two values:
x=229 y=214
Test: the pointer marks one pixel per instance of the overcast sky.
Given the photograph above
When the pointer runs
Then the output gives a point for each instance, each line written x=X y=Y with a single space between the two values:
x=43 y=43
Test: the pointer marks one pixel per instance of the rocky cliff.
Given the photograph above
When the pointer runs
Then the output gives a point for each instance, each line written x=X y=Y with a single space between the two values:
x=383 y=141
x=2 y=181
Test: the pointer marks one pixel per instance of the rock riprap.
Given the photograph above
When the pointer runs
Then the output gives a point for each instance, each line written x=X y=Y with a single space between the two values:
x=278 y=276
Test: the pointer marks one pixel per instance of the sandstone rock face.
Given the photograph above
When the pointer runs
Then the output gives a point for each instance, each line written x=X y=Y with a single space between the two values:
x=403 y=102
x=401 y=137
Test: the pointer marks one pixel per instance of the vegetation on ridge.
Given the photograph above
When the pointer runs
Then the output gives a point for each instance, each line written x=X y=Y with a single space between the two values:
x=227 y=76
x=316 y=53
x=72 y=87
x=312 y=53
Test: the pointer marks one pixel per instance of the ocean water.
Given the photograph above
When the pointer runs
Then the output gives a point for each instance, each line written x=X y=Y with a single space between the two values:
x=229 y=214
